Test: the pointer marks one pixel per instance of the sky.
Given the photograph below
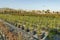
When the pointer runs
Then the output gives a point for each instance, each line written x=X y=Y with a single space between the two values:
x=31 y=4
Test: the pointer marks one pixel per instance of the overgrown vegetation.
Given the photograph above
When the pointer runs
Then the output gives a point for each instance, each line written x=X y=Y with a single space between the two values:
x=33 y=20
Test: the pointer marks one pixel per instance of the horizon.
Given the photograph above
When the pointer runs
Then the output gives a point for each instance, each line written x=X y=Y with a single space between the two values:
x=31 y=4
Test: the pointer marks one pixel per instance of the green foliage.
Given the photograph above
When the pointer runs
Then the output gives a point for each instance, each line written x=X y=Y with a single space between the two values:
x=43 y=21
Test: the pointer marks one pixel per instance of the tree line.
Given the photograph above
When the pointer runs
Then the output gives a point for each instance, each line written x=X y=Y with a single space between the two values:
x=25 y=12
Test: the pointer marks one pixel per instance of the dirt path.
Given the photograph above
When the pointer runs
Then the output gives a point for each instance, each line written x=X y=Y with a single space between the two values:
x=9 y=35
